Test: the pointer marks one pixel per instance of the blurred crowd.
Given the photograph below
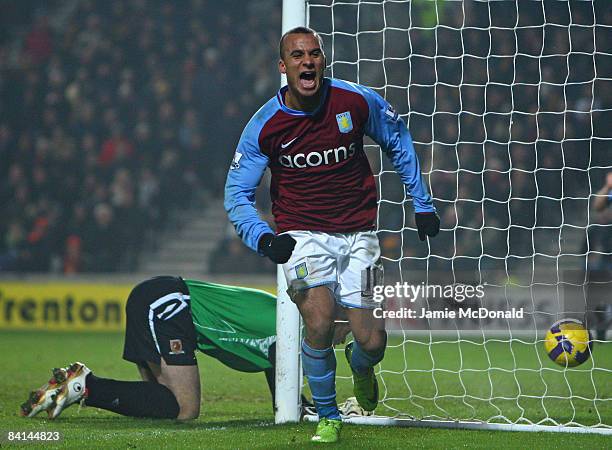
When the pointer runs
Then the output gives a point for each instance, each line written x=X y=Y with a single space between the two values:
x=123 y=112
x=116 y=115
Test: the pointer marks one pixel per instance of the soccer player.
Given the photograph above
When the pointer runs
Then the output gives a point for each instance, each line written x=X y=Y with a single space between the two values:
x=324 y=202
x=168 y=318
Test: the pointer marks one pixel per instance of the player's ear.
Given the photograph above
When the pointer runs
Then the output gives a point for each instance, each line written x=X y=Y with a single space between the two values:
x=282 y=68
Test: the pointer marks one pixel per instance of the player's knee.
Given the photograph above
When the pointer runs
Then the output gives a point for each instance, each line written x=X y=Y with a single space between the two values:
x=188 y=415
x=189 y=410
x=320 y=332
x=375 y=342
x=184 y=383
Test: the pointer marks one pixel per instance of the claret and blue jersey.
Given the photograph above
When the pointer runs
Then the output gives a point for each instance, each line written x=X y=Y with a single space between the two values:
x=321 y=178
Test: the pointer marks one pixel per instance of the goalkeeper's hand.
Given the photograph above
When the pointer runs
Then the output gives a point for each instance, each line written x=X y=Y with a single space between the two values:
x=428 y=223
x=277 y=248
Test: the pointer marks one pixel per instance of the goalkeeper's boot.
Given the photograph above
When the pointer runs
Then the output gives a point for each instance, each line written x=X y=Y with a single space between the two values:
x=66 y=387
x=365 y=386
x=328 y=430
x=43 y=398
x=73 y=389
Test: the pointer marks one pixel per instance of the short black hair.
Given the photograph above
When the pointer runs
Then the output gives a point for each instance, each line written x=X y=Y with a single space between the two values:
x=298 y=30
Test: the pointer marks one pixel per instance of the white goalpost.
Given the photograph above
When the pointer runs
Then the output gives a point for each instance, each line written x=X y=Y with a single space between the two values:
x=508 y=104
x=288 y=330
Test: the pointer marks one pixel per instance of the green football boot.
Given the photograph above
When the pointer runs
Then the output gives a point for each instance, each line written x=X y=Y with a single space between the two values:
x=365 y=387
x=328 y=431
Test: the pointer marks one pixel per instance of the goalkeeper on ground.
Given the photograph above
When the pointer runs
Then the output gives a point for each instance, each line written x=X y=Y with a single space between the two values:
x=324 y=202
x=168 y=319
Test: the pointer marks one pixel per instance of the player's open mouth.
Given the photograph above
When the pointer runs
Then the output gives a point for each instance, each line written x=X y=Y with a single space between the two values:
x=308 y=79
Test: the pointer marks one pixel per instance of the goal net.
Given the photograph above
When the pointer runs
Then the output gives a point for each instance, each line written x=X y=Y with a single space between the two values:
x=507 y=104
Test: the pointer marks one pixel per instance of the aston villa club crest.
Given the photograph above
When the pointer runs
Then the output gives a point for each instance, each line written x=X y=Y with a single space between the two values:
x=301 y=271
x=345 y=123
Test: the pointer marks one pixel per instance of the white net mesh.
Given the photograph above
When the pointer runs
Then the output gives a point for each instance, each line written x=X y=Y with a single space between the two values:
x=509 y=106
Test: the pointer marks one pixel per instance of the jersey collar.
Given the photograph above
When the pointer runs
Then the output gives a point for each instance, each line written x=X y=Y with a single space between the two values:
x=280 y=97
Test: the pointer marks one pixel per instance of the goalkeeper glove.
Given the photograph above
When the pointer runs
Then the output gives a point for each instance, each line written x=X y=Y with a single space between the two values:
x=277 y=248
x=427 y=223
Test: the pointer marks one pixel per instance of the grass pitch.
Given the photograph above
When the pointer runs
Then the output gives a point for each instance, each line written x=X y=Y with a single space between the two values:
x=237 y=413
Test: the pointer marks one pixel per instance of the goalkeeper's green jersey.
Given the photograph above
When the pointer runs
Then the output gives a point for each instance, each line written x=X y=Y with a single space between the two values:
x=235 y=325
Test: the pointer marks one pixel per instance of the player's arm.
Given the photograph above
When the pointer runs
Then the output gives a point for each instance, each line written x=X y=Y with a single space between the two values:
x=248 y=166
x=244 y=176
x=390 y=132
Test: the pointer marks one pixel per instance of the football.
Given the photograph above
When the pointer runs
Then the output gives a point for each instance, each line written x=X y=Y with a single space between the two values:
x=568 y=343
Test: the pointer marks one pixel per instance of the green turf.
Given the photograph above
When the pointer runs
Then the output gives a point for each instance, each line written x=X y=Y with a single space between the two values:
x=236 y=409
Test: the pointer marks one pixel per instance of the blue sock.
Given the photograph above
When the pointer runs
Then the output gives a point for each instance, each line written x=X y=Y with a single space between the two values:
x=320 y=369
x=361 y=361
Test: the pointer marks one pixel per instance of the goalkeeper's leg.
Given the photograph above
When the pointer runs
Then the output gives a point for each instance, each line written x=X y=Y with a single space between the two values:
x=160 y=339
x=167 y=392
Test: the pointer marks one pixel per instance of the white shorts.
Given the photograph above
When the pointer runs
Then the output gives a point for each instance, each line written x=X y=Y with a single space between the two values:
x=336 y=260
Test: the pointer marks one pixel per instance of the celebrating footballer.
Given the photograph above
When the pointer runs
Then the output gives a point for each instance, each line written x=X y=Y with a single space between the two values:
x=324 y=202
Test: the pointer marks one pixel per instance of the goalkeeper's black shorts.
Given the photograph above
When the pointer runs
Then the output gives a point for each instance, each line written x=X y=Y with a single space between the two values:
x=159 y=323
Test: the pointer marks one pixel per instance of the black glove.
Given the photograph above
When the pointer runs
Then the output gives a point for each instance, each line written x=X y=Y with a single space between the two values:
x=427 y=223
x=277 y=248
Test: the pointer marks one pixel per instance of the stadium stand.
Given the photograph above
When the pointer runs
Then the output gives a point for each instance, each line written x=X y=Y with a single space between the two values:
x=118 y=117
x=115 y=120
